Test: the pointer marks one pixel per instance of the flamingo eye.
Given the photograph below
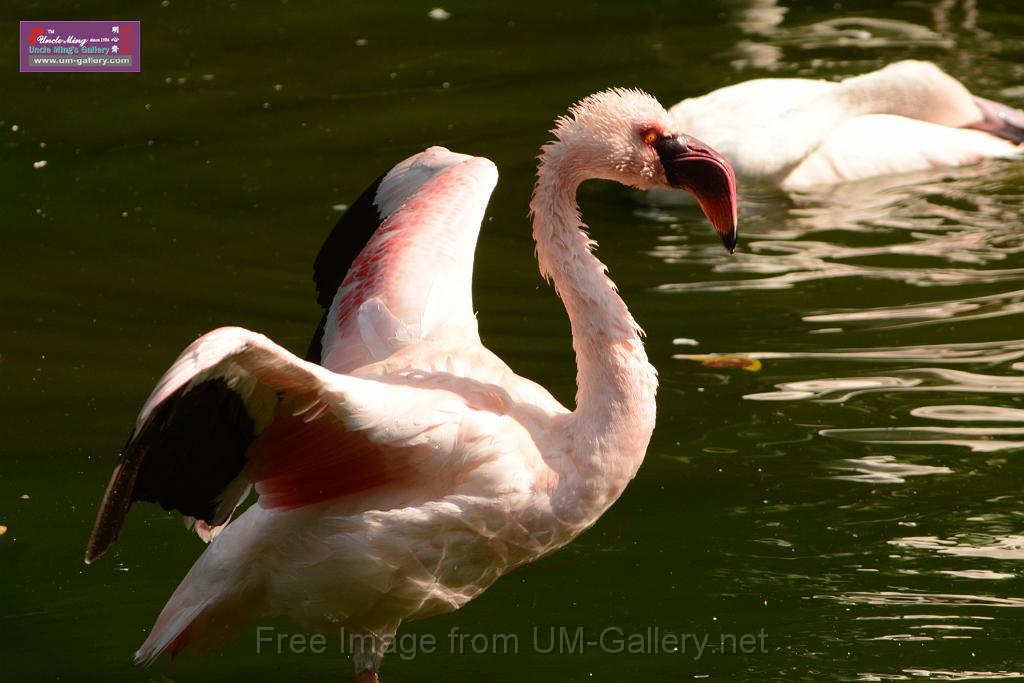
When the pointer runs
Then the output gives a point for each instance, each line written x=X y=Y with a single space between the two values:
x=649 y=136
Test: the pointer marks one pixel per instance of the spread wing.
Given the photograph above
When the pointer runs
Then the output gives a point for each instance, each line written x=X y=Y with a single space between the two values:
x=350 y=235
x=399 y=264
x=236 y=410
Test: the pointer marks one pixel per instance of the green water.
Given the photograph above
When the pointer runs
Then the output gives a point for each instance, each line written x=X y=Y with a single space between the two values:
x=775 y=504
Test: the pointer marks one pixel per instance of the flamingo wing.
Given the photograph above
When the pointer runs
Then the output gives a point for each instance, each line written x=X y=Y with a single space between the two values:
x=237 y=410
x=398 y=266
x=879 y=144
x=349 y=236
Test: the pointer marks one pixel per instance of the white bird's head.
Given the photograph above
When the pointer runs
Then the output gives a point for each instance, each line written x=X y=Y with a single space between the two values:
x=627 y=136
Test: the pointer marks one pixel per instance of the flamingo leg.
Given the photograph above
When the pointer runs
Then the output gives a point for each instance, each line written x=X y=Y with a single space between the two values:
x=368 y=651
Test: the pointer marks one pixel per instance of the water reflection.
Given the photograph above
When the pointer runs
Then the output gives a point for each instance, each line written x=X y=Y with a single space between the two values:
x=883 y=469
x=969 y=545
x=758 y=20
x=941 y=675
x=809 y=269
x=856 y=32
x=969 y=413
x=932 y=380
x=936 y=312
x=977 y=439
x=766 y=41
x=982 y=574
x=928 y=229
x=918 y=599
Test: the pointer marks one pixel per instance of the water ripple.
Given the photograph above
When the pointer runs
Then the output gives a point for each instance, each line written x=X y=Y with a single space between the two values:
x=933 y=380
x=985 y=441
x=949 y=217
x=883 y=469
x=767 y=42
x=810 y=269
x=969 y=413
x=910 y=598
x=943 y=354
x=862 y=32
x=968 y=545
x=941 y=675
x=937 y=312
x=982 y=574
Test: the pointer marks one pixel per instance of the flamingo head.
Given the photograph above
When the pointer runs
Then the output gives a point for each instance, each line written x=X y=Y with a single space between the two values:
x=627 y=136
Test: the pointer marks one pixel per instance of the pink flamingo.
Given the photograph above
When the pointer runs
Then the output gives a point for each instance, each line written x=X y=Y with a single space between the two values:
x=798 y=132
x=403 y=475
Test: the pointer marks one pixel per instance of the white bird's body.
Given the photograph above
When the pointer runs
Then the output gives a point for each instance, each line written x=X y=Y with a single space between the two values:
x=404 y=467
x=796 y=133
x=456 y=501
x=455 y=505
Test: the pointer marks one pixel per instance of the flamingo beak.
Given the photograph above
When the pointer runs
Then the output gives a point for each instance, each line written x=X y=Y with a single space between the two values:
x=693 y=166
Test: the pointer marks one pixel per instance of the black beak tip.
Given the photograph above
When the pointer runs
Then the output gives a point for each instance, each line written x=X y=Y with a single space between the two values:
x=730 y=241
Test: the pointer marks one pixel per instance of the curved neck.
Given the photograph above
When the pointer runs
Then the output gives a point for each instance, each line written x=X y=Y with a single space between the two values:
x=916 y=90
x=616 y=385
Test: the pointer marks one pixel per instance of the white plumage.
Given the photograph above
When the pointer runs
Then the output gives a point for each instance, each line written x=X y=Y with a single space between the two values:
x=796 y=133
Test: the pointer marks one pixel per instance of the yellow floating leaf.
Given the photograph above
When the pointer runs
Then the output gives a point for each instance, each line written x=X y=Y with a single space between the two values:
x=726 y=360
x=3 y=530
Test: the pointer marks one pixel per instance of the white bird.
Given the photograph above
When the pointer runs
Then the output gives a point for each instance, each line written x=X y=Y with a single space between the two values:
x=405 y=467
x=795 y=132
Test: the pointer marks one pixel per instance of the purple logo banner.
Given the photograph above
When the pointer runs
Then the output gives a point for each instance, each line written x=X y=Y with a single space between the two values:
x=81 y=46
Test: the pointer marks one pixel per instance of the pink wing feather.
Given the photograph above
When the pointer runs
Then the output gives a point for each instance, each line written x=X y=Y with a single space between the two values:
x=237 y=409
x=413 y=280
